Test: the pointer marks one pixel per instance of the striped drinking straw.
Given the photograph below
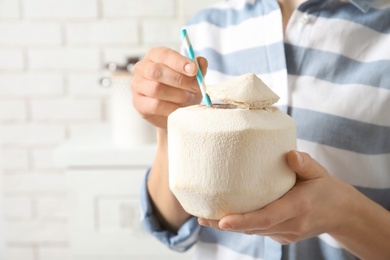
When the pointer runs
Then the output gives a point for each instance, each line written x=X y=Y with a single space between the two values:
x=199 y=76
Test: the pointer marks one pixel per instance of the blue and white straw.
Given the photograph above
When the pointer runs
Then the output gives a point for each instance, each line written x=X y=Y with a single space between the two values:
x=199 y=76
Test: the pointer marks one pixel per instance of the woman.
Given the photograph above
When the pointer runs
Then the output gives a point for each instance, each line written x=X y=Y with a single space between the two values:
x=329 y=62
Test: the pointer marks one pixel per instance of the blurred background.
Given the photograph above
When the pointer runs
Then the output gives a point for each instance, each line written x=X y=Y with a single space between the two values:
x=70 y=176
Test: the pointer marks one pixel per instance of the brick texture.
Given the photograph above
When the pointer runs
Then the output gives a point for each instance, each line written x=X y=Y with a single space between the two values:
x=69 y=109
x=138 y=9
x=110 y=32
x=9 y=9
x=86 y=85
x=26 y=183
x=15 y=159
x=31 y=85
x=19 y=208
x=43 y=159
x=188 y=8
x=52 y=208
x=32 y=134
x=11 y=59
x=156 y=31
x=17 y=33
x=51 y=253
x=35 y=232
x=64 y=59
x=60 y=9
x=19 y=253
x=52 y=56
x=13 y=111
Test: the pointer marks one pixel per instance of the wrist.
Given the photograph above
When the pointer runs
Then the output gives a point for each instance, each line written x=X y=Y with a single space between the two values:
x=364 y=228
x=350 y=212
x=162 y=138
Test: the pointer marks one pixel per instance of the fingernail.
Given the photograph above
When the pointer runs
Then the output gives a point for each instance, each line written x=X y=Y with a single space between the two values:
x=299 y=157
x=189 y=68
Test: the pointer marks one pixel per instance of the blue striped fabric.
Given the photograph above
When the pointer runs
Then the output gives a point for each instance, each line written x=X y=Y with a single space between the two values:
x=250 y=60
x=353 y=71
x=373 y=18
x=341 y=132
x=332 y=72
x=224 y=18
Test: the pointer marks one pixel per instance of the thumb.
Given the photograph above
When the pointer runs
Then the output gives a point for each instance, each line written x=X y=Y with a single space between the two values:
x=305 y=166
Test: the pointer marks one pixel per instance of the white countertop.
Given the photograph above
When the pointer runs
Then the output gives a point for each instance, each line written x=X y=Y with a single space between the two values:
x=98 y=150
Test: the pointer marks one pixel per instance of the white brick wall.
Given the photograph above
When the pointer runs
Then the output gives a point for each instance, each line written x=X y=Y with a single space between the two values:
x=26 y=33
x=158 y=31
x=53 y=253
x=188 y=8
x=20 y=253
x=30 y=183
x=29 y=85
x=139 y=9
x=72 y=59
x=112 y=32
x=60 y=9
x=87 y=84
x=66 y=109
x=15 y=159
x=18 y=208
x=13 y=110
x=36 y=232
x=43 y=159
x=9 y=9
x=52 y=208
x=22 y=135
x=51 y=57
x=11 y=59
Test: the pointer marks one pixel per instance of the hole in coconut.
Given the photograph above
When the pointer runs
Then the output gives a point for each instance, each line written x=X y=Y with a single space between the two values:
x=227 y=106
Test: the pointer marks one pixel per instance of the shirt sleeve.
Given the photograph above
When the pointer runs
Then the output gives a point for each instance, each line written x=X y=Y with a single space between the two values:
x=186 y=236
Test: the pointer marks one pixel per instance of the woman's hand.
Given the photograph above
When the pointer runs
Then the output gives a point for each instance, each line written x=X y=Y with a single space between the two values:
x=318 y=203
x=164 y=81
x=315 y=205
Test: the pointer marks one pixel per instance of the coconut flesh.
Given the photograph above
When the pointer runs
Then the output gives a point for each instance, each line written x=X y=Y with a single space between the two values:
x=231 y=158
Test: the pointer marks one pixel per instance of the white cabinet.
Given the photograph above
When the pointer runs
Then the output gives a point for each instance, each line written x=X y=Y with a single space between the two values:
x=103 y=189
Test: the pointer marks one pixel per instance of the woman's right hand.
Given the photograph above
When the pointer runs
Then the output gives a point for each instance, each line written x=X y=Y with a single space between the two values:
x=164 y=80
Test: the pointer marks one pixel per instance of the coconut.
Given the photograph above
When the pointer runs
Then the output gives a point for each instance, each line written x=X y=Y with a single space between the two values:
x=231 y=158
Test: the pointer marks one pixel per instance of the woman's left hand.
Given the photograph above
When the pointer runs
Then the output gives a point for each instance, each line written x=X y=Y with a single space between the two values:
x=315 y=205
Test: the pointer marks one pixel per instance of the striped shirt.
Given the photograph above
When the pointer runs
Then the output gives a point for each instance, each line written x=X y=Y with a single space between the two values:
x=332 y=72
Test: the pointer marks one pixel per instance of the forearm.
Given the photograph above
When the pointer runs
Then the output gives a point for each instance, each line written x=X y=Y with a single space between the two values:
x=366 y=230
x=168 y=209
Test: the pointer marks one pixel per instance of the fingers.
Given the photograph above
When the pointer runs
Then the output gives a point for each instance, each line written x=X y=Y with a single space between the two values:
x=173 y=60
x=154 y=109
x=170 y=68
x=156 y=101
x=162 y=73
x=164 y=81
x=302 y=212
x=151 y=106
x=279 y=211
x=209 y=222
x=163 y=92
x=305 y=166
x=203 y=64
x=176 y=61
